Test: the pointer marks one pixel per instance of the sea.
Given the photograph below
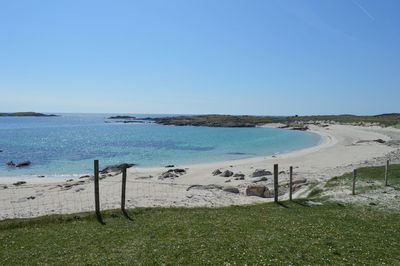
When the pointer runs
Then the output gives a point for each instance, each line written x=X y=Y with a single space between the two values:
x=66 y=145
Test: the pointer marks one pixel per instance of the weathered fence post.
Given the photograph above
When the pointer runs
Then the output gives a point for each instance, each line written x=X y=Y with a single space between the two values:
x=276 y=182
x=290 y=182
x=96 y=192
x=386 y=172
x=123 y=193
x=354 y=181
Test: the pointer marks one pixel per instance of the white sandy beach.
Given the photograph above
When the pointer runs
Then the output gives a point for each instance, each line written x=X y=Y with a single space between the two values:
x=344 y=147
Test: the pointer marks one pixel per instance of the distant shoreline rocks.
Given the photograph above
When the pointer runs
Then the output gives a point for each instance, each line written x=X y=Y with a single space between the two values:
x=122 y=117
x=28 y=114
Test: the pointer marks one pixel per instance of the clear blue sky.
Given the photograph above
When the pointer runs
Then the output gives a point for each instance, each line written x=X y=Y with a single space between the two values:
x=267 y=57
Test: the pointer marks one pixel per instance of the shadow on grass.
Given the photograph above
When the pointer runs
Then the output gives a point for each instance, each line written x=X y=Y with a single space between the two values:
x=301 y=203
x=282 y=204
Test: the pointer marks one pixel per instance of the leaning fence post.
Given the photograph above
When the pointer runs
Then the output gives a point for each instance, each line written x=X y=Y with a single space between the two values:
x=290 y=182
x=96 y=192
x=123 y=191
x=276 y=182
x=354 y=181
x=386 y=172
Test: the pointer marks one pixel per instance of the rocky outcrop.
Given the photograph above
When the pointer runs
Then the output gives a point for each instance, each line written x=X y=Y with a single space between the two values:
x=238 y=176
x=19 y=183
x=260 y=172
x=255 y=190
x=259 y=179
x=116 y=168
x=172 y=173
x=227 y=173
x=211 y=186
x=216 y=172
x=231 y=189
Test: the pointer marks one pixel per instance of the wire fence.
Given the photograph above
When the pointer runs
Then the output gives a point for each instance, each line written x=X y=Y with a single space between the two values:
x=26 y=201
x=22 y=200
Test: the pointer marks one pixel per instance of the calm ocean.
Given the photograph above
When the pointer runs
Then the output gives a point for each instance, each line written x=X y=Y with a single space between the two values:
x=66 y=145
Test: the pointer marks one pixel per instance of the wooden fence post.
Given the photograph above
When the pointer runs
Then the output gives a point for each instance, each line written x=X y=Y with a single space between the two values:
x=96 y=192
x=354 y=181
x=386 y=172
x=123 y=193
x=290 y=182
x=276 y=182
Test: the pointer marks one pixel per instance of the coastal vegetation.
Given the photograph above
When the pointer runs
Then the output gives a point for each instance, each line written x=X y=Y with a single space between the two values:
x=25 y=114
x=215 y=120
x=298 y=232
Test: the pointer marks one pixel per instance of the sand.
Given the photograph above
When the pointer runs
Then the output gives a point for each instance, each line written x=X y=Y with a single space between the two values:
x=344 y=147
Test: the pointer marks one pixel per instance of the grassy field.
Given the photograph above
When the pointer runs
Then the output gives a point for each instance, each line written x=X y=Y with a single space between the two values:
x=294 y=233
x=297 y=233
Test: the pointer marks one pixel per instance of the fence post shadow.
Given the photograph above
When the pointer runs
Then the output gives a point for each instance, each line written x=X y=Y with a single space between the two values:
x=123 y=194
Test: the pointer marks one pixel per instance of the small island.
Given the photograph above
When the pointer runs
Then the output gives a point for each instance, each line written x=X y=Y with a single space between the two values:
x=27 y=114
x=122 y=117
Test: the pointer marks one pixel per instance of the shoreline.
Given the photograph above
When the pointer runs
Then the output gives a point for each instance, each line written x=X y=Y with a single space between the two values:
x=53 y=178
x=343 y=149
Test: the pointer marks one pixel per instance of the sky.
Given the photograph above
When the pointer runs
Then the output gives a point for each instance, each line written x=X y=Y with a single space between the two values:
x=267 y=57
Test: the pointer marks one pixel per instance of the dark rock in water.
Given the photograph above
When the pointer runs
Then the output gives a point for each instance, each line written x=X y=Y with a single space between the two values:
x=230 y=189
x=169 y=166
x=1 y=150
x=19 y=183
x=227 y=173
x=122 y=117
x=116 y=168
x=26 y=163
x=40 y=176
x=261 y=172
x=379 y=140
x=10 y=163
x=216 y=172
x=211 y=186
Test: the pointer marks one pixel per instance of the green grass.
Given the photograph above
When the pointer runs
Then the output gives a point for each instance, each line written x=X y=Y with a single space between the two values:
x=294 y=234
x=371 y=177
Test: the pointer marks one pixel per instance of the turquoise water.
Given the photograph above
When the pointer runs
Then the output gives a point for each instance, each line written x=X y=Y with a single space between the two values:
x=68 y=144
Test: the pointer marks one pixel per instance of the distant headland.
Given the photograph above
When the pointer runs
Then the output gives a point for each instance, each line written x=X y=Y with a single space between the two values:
x=27 y=114
x=293 y=122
